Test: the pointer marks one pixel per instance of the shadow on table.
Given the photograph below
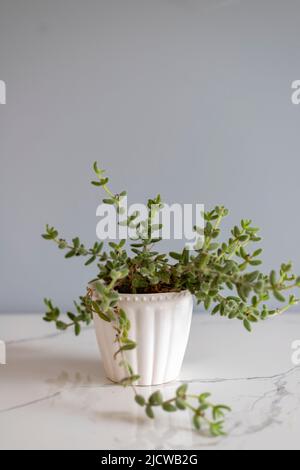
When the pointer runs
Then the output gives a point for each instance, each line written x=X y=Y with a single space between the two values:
x=26 y=363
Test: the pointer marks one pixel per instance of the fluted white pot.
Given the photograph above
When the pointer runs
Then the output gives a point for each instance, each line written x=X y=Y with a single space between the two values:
x=160 y=324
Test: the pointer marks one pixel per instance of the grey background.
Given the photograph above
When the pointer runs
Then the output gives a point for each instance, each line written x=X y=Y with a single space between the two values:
x=190 y=98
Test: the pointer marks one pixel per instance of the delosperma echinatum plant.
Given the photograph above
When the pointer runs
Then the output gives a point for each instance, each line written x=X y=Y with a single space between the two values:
x=223 y=277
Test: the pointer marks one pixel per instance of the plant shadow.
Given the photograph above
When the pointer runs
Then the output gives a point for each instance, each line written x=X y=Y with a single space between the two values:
x=28 y=364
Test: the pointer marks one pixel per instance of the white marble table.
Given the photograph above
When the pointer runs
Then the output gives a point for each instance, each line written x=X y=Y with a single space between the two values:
x=54 y=395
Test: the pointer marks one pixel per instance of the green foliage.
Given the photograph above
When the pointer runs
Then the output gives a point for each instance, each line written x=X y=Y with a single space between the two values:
x=223 y=276
x=205 y=414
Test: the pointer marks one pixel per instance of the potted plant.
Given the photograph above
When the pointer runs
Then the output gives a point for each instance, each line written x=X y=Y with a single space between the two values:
x=142 y=300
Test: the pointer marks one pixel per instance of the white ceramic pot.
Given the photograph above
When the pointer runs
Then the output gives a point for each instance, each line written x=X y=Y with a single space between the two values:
x=160 y=324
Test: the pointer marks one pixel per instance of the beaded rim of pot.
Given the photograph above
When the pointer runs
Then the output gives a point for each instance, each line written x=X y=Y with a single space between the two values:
x=153 y=297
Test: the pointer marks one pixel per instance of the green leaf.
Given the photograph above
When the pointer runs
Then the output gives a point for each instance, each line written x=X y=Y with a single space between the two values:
x=100 y=288
x=233 y=314
x=149 y=412
x=137 y=245
x=176 y=256
x=47 y=237
x=76 y=243
x=216 y=309
x=95 y=167
x=128 y=347
x=90 y=261
x=47 y=319
x=242 y=292
x=181 y=404
x=213 y=246
x=207 y=303
x=247 y=325
x=253 y=318
x=273 y=278
x=77 y=329
x=203 y=397
x=62 y=245
x=71 y=316
x=278 y=296
x=166 y=406
x=255 y=262
x=181 y=391
x=257 y=253
x=264 y=314
x=156 y=399
x=140 y=400
x=129 y=380
x=216 y=429
x=197 y=422
x=61 y=325
x=203 y=407
x=99 y=312
x=218 y=411
x=252 y=276
x=225 y=408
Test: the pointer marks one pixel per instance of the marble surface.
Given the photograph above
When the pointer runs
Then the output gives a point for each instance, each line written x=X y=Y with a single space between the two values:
x=54 y=395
